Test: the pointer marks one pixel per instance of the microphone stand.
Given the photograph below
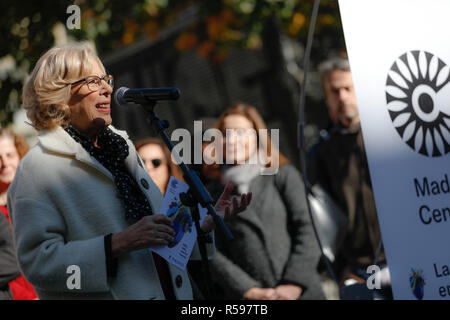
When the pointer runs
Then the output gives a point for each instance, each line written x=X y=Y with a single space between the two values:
x=301 y=135
x=197 y=193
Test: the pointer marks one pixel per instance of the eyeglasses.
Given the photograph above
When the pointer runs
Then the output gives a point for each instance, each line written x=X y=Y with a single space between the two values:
x=94 y=83
x=156 y=162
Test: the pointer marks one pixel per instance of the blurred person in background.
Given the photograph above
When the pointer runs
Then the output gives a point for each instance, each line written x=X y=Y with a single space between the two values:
x=158 y=161
x=339 y=165
x=275 y=253
x=81 y=197
x=12 y=284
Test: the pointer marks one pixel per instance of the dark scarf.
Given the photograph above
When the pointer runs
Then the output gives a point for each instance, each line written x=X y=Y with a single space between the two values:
x=111 y=152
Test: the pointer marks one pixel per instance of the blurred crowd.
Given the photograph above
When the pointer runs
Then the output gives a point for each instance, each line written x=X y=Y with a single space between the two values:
x=276 y=254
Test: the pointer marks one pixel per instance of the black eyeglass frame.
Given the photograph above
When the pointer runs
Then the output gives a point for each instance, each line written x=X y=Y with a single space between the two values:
x=156 y=162
x=111 y=83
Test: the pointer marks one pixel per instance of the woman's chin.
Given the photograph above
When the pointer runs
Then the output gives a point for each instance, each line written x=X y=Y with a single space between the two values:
x=236 y=160
x=102 y=122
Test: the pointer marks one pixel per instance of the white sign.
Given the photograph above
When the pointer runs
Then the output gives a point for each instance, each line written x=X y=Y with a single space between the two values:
x=399 y=57
x=179 y=250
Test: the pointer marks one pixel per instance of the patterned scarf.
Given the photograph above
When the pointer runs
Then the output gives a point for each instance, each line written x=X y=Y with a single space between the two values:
x=111 y=152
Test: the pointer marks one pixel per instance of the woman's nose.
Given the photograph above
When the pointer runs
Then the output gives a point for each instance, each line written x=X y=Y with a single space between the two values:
x=106 y=88
x=2 y=161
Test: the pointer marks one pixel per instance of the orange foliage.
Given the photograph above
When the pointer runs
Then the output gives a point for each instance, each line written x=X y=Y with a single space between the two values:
x=206 y=48
x=131 y=27
x=186 y=41
x=298 y=20
x=151 y=29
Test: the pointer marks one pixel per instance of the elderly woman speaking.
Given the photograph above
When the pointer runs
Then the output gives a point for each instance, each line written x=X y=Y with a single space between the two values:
x=82 y=203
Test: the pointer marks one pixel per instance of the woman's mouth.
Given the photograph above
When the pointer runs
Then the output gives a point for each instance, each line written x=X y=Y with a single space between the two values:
x=103 y=107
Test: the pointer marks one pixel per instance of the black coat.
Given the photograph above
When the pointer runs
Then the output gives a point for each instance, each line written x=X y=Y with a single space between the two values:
x=274 y=240
x=9 y=270
x=340 y=167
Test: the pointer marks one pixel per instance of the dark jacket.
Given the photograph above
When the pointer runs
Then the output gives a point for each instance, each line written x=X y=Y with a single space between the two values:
x=340 y=167
x=9 y=269
x=274 y=240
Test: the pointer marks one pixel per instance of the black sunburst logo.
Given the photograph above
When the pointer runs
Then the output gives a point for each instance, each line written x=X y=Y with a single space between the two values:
x=418 y=108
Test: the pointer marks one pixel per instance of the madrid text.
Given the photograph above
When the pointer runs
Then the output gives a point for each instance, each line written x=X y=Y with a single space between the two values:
x=427 y=188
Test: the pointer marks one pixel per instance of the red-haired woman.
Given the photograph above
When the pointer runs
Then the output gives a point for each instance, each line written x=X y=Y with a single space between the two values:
x=275 y=253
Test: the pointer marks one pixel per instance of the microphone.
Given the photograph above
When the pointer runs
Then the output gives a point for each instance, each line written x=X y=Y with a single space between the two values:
x=125 y=95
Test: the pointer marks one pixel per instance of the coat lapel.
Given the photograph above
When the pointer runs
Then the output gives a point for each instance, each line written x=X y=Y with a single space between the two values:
x=253 y=215
x=256 y=187
x=59 y=141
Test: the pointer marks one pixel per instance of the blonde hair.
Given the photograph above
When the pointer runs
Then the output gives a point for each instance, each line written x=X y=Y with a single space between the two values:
x=46 y=93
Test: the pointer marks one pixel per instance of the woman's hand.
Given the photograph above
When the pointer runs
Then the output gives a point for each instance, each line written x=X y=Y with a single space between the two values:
x=256 y=293
x=227 y=208
x=281 y=292
x=148 y=231
x=288 y=291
